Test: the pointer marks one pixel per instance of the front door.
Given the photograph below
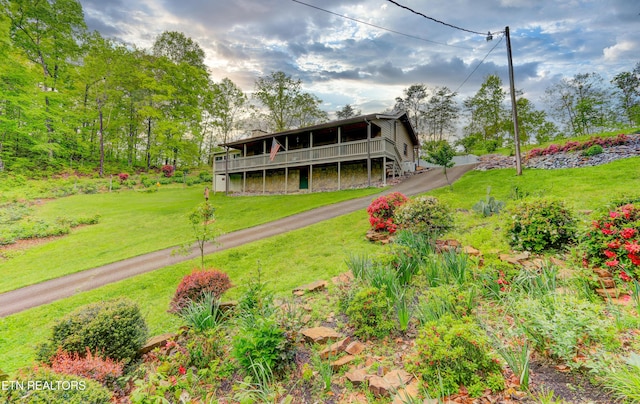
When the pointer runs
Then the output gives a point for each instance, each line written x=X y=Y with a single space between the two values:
x=304 y=178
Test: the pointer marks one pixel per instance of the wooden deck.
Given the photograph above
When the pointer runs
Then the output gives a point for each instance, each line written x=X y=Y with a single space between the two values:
x=351 y=151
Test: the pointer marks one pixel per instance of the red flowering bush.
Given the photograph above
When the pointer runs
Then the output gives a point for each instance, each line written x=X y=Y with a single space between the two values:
x=102 y=370
x=381 y=211
x=123 y=177
x=614 y=241
x=167 y=169
x=575 y=146
x=192 y=287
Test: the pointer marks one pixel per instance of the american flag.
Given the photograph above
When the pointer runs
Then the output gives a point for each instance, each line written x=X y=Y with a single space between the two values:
x=275 y=146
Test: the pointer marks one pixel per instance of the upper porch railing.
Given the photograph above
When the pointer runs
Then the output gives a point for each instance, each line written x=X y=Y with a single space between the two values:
x=359 y=150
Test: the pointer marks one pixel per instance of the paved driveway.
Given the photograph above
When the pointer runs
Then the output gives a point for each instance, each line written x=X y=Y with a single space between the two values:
x=65 y=286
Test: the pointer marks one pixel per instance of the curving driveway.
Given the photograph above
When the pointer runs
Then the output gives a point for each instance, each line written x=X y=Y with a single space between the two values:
x=65 y=286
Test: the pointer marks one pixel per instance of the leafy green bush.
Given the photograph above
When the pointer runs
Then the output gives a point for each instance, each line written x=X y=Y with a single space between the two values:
x=64 y=389
x=593 y=151
x=451 y=352
x=540 y=224
x=368 y=312
x=265 y=344
x=560 y=326
x=113 y=329
x=424 y=215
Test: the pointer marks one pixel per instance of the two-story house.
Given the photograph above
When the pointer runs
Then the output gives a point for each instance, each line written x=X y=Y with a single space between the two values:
x=350 y=153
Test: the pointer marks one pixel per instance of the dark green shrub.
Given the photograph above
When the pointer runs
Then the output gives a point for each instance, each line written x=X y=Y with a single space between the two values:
x=424 y=215
x=113 y=329
x=540 y=224
x=369 y=313
x=264 y=344
x=593 y=151
x=451 y=352
x=63 y=389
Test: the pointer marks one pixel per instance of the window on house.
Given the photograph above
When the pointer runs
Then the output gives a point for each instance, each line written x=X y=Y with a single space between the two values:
x=406 y=149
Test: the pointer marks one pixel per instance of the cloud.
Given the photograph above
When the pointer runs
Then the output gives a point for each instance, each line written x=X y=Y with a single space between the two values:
x=344 y=61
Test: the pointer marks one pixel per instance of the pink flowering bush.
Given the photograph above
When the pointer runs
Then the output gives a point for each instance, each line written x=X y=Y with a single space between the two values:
x=167 y=170
x=613 y=241
x=123 y=177
x=577 y=146
x=381 y=211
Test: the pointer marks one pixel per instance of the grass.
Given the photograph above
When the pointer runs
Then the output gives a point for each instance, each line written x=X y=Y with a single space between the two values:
x=280 y=258
x=582 y=189
x=134 y=223
x=308 y=254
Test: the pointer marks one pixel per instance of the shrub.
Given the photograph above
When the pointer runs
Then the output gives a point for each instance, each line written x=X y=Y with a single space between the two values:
x=193 y=286
x=368 y=312
x=451 y=352
x=425 y=215
x=103 y=370
x=381 y=211
x=167 y=170
x=489 y=206
x=540 y=224
x=264 y=344
x=614 y=240
x=115 y=329
x=64 y=389
x=564 y=326
x=123 y=177
x=593 y=151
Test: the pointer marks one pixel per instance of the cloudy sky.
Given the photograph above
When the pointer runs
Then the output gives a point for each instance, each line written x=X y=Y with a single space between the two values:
x=365 y=52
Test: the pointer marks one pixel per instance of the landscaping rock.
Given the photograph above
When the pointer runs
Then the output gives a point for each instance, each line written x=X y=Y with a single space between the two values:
x=311 y=287
x=407 y=394
x=397 y=378
x=156 y=342
x=337 y=364
x=379 y=387
x=335 y=348
x=320 y=335
x=378 y=237
x=354 y=348
x=343 y=279
x=357 y=376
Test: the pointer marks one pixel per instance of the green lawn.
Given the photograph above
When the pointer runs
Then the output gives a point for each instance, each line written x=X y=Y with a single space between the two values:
x=312 y=253
x=286 y=261
x=134 y=223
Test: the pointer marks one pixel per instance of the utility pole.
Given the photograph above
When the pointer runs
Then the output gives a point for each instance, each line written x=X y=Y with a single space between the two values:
x=514 y=109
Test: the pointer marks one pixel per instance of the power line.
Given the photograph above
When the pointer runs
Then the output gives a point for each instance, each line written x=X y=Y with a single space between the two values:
x=438 y=21
x=479 y=64
x=380 y=27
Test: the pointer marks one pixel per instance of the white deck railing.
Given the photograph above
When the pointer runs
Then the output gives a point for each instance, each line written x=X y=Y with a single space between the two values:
x=379 y=147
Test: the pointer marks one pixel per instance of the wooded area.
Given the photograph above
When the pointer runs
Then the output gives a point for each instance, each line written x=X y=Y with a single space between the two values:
x=71 y=99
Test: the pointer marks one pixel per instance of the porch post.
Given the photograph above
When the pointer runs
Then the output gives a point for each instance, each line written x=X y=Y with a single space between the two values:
x=384 y=171
x=286 y=164
x=310 y=177
x=368 y=152
x=339 y=154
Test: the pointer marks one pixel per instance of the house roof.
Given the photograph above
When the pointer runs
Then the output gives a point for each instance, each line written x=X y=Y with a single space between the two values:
x=401 y=116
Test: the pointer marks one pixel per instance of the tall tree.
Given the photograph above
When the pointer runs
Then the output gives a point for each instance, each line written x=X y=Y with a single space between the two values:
x=441 y=114
x=48 y=32
x=487 y=112
x=287 y=105
x=347 y=112
x=180 y=68
x=628 y=84
x=581 y=103
x=414 y=104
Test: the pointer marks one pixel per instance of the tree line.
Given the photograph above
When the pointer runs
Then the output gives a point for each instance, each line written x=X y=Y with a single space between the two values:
x=70 y=98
